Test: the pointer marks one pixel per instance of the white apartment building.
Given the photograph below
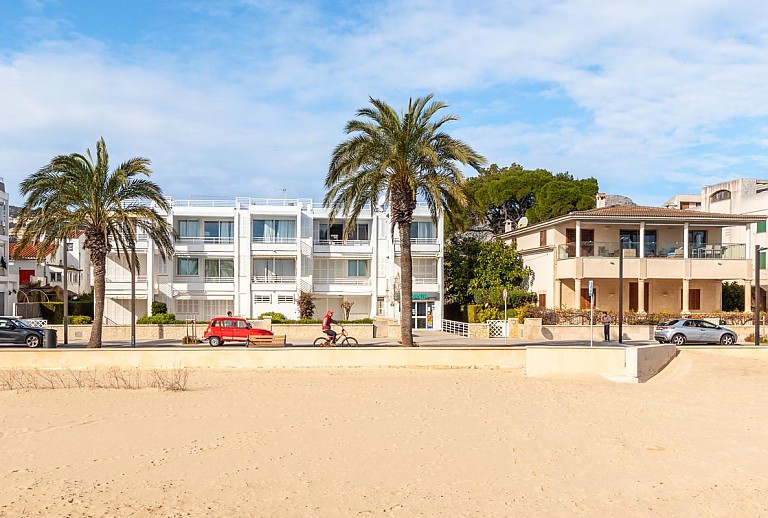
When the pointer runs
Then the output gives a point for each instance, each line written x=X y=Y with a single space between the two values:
x=251 y=256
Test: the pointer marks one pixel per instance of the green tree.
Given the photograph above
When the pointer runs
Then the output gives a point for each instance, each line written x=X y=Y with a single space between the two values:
x=402 y=157
x=478 y=271
x=509 y=193
x=733 y=296
x=76 y=192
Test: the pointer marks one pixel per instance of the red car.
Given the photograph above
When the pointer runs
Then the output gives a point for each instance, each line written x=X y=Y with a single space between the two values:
x=231 y=329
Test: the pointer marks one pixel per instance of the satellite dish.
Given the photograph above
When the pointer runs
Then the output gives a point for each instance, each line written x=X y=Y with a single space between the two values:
x=522 y=222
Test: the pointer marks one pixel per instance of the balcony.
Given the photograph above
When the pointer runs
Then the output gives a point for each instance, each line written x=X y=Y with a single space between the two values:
x=341 y=284
x=358 y=246
x=274 y=279
x=672 y=250
x=420 y=246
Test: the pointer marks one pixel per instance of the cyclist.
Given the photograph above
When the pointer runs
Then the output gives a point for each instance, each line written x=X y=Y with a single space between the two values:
x=327 y=321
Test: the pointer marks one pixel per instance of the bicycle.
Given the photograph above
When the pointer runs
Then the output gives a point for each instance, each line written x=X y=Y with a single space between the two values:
x=342 y=340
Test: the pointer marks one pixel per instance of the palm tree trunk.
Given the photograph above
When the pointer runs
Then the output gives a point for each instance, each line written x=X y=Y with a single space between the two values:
x=406 y=284
x=99 y=261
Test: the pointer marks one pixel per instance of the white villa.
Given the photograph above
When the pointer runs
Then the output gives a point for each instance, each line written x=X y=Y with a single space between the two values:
x=251 y=256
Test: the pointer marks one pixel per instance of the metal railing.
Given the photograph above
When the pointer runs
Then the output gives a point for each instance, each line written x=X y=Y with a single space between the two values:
x=206 y=240
x=419 y=241
x=340 y=242
x=277 y=279
x=457 y=328
x=360 y=281
x=673 y=250
x=219 y=279
x=275 y=239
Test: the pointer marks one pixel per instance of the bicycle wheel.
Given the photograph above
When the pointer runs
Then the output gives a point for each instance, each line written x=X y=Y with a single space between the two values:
x=319 y=341
x=349 y=342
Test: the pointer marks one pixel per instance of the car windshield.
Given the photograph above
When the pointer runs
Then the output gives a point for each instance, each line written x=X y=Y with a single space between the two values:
x=19 y=323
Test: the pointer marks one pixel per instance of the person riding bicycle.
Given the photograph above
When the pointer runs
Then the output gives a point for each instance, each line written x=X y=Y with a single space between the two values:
x=327 y=321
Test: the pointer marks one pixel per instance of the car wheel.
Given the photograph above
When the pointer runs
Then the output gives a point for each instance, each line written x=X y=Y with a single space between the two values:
x=727 y=339
x=678 y=339
x=215 y=341
x=660 y=341
x=32 y=341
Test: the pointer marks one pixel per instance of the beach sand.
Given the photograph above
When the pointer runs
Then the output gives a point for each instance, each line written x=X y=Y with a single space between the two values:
x=693 y=441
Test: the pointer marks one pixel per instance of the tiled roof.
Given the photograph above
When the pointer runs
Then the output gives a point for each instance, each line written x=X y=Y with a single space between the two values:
x=29 y=251
x=624 y=211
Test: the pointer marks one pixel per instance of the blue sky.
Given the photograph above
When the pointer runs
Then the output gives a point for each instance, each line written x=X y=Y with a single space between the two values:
x=249 y=97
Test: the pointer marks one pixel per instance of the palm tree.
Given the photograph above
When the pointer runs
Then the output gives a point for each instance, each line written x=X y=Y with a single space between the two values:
x=75 y=192
x=402 y=157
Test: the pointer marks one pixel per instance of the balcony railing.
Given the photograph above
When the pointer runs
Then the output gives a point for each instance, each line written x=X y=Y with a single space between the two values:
x=205 y=240
x=674 y=250
x=219 y=279
x=275 y=239
x=360 y=281
x=419 y=241
x=346 y=242
x=275 y=279
x=139 y=278
x=425 y=280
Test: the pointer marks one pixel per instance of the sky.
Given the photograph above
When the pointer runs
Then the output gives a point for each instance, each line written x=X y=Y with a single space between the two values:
x=249 y=97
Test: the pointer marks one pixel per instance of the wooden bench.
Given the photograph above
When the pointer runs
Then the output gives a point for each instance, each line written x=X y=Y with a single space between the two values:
x=266 y=341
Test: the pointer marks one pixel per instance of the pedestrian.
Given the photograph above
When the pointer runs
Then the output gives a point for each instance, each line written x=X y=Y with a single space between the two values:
x=229 y=313
x=606 y=326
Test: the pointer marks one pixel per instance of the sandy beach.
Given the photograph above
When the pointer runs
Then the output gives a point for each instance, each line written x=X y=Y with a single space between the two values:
x=693 y=441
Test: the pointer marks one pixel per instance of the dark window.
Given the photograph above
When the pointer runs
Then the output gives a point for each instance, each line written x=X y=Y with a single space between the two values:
x=543 y=300
x=543 y=238
x=720 y=196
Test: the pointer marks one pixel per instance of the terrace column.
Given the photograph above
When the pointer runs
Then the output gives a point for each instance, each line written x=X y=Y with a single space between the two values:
x=747 y=295
x=557 y=301
x=685 y=243
x=578 y=240
x=576 y=292
x=641 y=295
x=748 y=233
x=642 y=241
x=686 y=287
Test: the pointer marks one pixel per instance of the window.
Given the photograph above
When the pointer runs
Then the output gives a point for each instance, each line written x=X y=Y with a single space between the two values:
x=543 y=238
x=697 y=239
x=219 y=269
x=760 y=227
x=543 y=300
x=285 y=299
x=422 y=231
x=425 y=270
x=357 y=268
x=274 y=230
x=587 y=242
x=720 y=196
x=262 y=299
x=162 y=267
x=186 y=266
x=71 y=245
x=188 y=228
x=274 y=269
x=335 y=232
x=219 y=231
x=762 y=260
x=381 y=308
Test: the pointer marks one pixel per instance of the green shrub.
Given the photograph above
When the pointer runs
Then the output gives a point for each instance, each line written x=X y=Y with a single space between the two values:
x=53 y=312
x=79 y=320
x=277 y=318
x=159 y=308
x=162 y=318
x=750 y=339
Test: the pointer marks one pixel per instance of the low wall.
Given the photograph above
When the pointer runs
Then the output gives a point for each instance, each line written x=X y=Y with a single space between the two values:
x=292 y=357
x=628 y=364
x=178 y=331
x=533 y=329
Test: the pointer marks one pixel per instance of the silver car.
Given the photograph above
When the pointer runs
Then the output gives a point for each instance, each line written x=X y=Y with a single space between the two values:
x=693 y=330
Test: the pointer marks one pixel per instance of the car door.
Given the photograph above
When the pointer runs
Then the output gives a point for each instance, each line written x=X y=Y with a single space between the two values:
x=227 y=329
x=692 y=331
x=709 y=332
x=241 y=330
x=6 y=333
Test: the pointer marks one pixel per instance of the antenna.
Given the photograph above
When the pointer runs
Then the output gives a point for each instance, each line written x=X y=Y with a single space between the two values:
x=283 y=189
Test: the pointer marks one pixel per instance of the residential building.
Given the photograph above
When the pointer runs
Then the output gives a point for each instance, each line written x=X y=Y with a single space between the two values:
x=674 y=260
x=252 y=256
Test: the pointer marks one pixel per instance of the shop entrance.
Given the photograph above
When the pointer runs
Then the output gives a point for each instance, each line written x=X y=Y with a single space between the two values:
x=423 y=314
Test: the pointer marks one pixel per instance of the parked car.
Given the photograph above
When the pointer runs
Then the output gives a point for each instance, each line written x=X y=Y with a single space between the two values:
x=693 y=330
x=15 y=331
x=231 y=329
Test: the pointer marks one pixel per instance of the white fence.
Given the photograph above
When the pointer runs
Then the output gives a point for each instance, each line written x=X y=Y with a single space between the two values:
x=457 y=328
x=497 y=328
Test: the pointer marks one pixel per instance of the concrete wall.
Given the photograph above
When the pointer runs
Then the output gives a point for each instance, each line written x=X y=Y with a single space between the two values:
x=646 y=361
x=293 y=357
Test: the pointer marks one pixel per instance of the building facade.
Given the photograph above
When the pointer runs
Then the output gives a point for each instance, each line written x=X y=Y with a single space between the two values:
x=252 y=256
x=674 y=260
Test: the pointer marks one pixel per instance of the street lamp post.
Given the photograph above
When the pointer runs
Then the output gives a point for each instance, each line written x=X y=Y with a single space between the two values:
x=621 y=286
x=758 y=249
x=133 y=295
x=66 y=292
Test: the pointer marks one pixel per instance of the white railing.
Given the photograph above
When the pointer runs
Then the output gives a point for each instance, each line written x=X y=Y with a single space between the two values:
x=339 y=242
x=457 y=328
x=360 y=281
x=275 y=239
x=425 y=280
x=202 y=203
x=219 y=279
x=419 y=241
x=277 y=279
x=275 y=202
x=139 y=278
x=206 y=240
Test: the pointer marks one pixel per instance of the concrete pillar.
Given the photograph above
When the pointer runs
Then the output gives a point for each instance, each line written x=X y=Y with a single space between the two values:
x=642 y=241
x=747 y=295
x=686 y=287
x=577 y=292
x=557 y=301
x=578 y=240
x=685 y=243
x=641 y=295
x=748 y=234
